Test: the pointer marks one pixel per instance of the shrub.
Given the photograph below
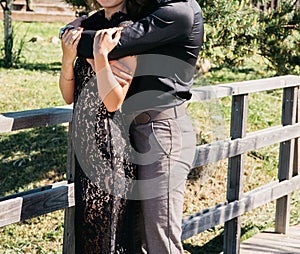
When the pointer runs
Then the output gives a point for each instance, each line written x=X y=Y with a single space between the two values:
x=236 y=30
x=279 y=37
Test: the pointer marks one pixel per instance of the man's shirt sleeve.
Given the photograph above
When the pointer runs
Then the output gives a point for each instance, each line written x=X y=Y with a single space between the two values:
x=168 y=24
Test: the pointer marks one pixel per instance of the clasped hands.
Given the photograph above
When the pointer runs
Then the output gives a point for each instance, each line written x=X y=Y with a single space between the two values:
x=105 y=40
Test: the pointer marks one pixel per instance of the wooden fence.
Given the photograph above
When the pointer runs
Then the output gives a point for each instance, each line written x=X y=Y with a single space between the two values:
x=29 y=204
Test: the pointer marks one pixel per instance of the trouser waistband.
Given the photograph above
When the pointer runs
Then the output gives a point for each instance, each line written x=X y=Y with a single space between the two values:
x=156 y=115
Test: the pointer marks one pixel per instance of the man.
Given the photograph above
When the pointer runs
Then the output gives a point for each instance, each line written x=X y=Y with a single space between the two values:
x=167 y=43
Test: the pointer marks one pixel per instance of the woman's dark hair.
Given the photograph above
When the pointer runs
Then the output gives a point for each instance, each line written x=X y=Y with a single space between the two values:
x=138 y=9
x=93 y=4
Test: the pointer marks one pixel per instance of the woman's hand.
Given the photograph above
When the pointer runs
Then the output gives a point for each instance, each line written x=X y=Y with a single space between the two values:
x=109 y=89
x=105 y=40
x=69 y=43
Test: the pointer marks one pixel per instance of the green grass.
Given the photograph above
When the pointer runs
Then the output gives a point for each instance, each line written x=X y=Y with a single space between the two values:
x=37 y=157
x=34 y=84
x=34 y=157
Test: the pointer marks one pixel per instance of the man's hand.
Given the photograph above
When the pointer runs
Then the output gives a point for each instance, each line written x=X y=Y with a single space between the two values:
x=122 y=72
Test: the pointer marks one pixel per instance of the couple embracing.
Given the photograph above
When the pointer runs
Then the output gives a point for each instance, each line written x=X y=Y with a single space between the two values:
x=129 y=69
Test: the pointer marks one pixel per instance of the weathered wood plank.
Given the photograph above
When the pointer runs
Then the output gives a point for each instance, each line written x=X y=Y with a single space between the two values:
x=48 y=116
x=286 y=158
x=270 y=242
x=34 y=118
x=69 y=220
x=245 y=87
x=239 y=112
x=221 y=213
x=11 y=210
x=296 y=164
x=223 y=149
x=36 y=190
x=35 y=204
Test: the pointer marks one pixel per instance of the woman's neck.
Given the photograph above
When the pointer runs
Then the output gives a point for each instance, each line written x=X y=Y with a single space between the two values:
x=111 y=10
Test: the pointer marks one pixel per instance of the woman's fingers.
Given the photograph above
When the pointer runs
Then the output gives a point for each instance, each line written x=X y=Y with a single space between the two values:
x=114 y=34
x=97 y=41
x=91 y=62
x=105 y=40
x=71 y=37
x=117 y=37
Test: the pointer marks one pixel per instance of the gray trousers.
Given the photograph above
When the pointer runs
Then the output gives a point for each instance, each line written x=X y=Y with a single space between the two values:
x=165 y=150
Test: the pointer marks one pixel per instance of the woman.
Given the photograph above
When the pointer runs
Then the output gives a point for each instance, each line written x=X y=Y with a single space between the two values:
x=103 y=223
x=168 y=41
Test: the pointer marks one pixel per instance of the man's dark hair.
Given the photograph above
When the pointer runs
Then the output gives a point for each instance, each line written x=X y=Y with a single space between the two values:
x=138 y=9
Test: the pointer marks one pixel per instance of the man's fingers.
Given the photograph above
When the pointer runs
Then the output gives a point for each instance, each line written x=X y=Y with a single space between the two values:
x=120 y=66
x=122 y=82
x=122 y=74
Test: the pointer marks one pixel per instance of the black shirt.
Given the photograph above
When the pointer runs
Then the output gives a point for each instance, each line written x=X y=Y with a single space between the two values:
x=167 y=43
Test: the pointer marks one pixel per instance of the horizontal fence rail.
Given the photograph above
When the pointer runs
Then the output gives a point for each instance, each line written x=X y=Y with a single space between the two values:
x=221 y=213
x=223 y=149
x=34 y=118
x=29 y=204
x=40 y=201
x=245 y=87
x=48 y=116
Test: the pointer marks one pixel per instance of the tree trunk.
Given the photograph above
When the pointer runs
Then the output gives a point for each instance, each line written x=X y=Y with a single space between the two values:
x=8 y=33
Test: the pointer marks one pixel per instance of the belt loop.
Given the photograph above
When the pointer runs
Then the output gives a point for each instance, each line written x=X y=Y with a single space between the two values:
x=175 y=111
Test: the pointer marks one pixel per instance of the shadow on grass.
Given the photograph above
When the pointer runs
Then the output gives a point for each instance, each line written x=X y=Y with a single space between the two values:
x=32 y=158
x=214 y=246
x=245 y=70
x=55 y=66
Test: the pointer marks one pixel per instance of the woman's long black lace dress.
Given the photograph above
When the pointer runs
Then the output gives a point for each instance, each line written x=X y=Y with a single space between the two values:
x=103 y=214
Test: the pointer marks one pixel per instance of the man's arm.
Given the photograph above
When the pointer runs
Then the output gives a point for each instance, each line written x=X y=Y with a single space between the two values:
x=169 y=23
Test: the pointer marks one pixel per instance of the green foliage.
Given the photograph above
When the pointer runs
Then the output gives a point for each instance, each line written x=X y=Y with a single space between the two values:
x=231 y=28
x=37 y=157
x=77 y=3
x=83 y=6
x=279 y=37
x=236 y=30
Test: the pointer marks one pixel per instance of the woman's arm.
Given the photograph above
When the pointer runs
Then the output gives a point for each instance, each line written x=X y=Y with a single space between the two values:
x=69 y=43
x=109 y=89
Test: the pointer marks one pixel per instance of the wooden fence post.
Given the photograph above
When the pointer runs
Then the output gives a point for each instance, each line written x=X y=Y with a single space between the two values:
x=239 y=111
x=69 y=221
x=286 y=157
x=296 y=165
